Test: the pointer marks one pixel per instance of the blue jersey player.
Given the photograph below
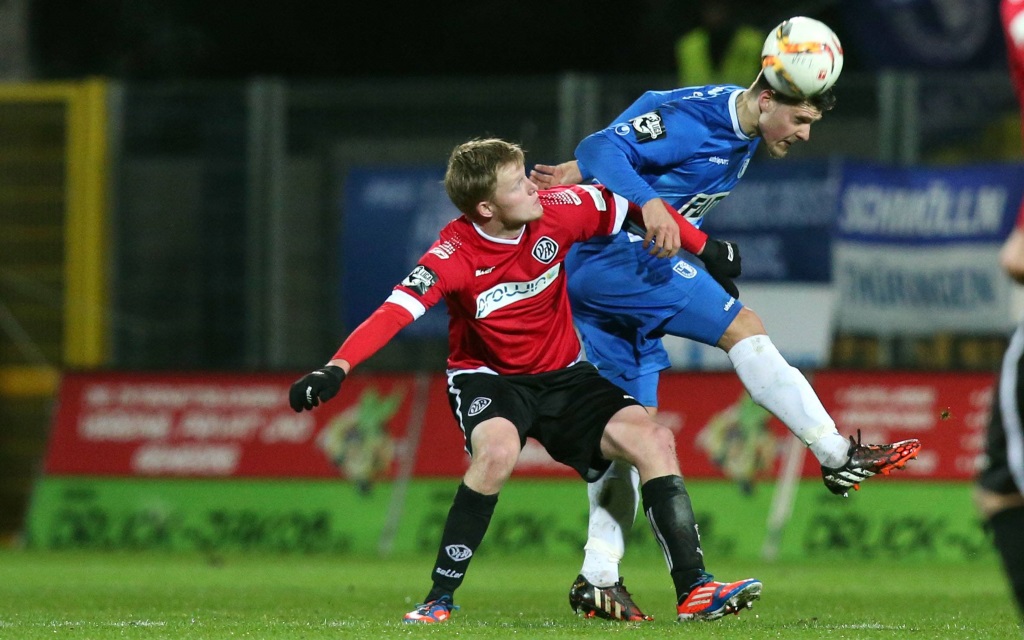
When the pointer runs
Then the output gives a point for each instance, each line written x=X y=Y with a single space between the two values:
x=686 y=148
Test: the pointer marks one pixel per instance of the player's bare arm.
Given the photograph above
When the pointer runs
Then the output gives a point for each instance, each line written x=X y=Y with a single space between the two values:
x=662 y=229
x=1011 y=256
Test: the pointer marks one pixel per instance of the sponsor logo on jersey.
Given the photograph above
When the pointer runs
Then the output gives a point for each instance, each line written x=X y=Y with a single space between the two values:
x=728 y=305
x=420 y=280
x=458 y=552
x=484 y=272
x=649 y=126
x=506 y=293
x=685 y=269
x=478 y=405
x=545 y=250
x=700 y=204
x=717 y=160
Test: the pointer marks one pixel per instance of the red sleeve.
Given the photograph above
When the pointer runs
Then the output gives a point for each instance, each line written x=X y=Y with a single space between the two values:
x=375 y=332
x=691 y=238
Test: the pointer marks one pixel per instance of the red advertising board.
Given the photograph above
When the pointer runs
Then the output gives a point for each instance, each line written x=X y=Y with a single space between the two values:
x=221 y=425
x=232 y=425
x=948 y=412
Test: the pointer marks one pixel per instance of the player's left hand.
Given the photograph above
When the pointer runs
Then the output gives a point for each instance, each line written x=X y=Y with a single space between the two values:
x=315 y=387
x=722 y=260
x=662 y=229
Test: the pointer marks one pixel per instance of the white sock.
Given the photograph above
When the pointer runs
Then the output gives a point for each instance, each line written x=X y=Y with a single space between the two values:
x=783 y=390
x=613 y=503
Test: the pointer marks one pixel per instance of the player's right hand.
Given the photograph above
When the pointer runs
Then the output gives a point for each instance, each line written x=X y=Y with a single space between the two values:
x=662 y=239
x=722 y=260
x=315 y=387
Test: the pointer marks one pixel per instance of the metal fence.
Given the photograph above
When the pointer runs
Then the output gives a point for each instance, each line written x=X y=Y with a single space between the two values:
x=227 y=195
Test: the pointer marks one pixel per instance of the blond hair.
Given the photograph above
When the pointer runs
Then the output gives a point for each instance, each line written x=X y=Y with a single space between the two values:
x=472 y=173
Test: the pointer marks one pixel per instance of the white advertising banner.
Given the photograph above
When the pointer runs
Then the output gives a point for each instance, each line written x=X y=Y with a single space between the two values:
x=916 y=250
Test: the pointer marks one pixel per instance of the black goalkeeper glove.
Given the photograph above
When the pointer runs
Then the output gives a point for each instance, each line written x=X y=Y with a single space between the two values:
x=722 y=260
x=315 y=387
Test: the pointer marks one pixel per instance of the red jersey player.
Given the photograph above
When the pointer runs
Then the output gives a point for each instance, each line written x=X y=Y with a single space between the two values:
x=999 y=493
x=515 y=367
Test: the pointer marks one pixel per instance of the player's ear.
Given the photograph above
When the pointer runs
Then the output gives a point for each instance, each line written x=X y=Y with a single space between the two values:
x=485 y=210
x=766 y=100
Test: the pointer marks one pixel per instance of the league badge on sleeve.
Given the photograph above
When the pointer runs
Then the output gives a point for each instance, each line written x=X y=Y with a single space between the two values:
x=648 y=127
x=420 y=280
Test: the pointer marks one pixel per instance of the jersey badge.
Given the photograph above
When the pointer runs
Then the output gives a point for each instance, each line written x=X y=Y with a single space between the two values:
x=420 y=280
x=545 y=250
x=649 y=126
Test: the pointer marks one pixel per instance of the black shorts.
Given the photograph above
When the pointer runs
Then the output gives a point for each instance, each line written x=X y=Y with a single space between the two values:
x=1004 y=448
x=565 y=410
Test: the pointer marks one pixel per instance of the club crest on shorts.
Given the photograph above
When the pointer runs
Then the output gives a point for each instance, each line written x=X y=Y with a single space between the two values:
x=545 y=250
x=685 y=269
x=478 y=405
x=458 y=552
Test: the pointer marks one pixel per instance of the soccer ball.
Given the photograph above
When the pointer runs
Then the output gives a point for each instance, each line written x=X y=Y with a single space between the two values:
x=802 y=57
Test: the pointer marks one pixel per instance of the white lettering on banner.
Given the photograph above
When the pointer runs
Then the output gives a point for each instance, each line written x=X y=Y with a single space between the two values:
x=936 y=211
x=121 y=426
x=879 y=407
x=891 y=287
x=508 y=293
x=202 y=425
x=175 y=396
x=809 y=202
x=187 y=459
x=289 y=428
x=902 y=395
x=960 y=287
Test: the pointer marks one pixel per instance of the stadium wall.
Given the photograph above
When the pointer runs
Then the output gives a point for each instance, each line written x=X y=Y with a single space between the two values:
x=219 y=463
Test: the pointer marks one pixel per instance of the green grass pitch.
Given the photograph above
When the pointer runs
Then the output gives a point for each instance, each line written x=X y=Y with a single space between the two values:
x=123 y=595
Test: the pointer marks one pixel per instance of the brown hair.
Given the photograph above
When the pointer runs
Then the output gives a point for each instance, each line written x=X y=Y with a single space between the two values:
x=472 y=173
x=823 y=102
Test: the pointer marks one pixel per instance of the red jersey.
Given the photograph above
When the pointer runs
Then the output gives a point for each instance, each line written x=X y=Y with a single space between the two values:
x=1011 y=13
x=507 y=301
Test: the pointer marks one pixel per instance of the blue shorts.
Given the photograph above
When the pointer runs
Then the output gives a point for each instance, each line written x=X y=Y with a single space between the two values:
x=624 y=301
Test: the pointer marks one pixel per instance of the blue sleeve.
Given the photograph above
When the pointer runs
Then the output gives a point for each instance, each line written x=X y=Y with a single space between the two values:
x=615 y=158
x=598 y=158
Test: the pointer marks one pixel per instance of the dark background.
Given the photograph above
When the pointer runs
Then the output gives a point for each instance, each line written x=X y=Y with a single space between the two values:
x=163 y=39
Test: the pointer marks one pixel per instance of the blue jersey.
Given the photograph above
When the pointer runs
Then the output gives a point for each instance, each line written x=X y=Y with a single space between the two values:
x=686 y=147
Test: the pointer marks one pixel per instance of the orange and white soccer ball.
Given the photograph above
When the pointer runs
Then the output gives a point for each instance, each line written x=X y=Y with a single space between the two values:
x=802 y=57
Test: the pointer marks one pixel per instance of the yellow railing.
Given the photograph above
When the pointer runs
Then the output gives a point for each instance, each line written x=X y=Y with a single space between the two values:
x=83 y=311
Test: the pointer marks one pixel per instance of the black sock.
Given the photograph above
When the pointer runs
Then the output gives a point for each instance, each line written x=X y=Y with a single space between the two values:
x=668 y=508
x=463 y=530
x=1007 y=527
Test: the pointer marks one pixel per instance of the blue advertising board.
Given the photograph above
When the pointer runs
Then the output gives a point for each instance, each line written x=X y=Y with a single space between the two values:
x=916 y=249
x=781 y=215
x=390 y=217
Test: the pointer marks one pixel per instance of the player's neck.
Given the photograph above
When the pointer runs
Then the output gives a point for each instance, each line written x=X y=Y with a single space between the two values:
x=500 y=229
x=748 y=112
